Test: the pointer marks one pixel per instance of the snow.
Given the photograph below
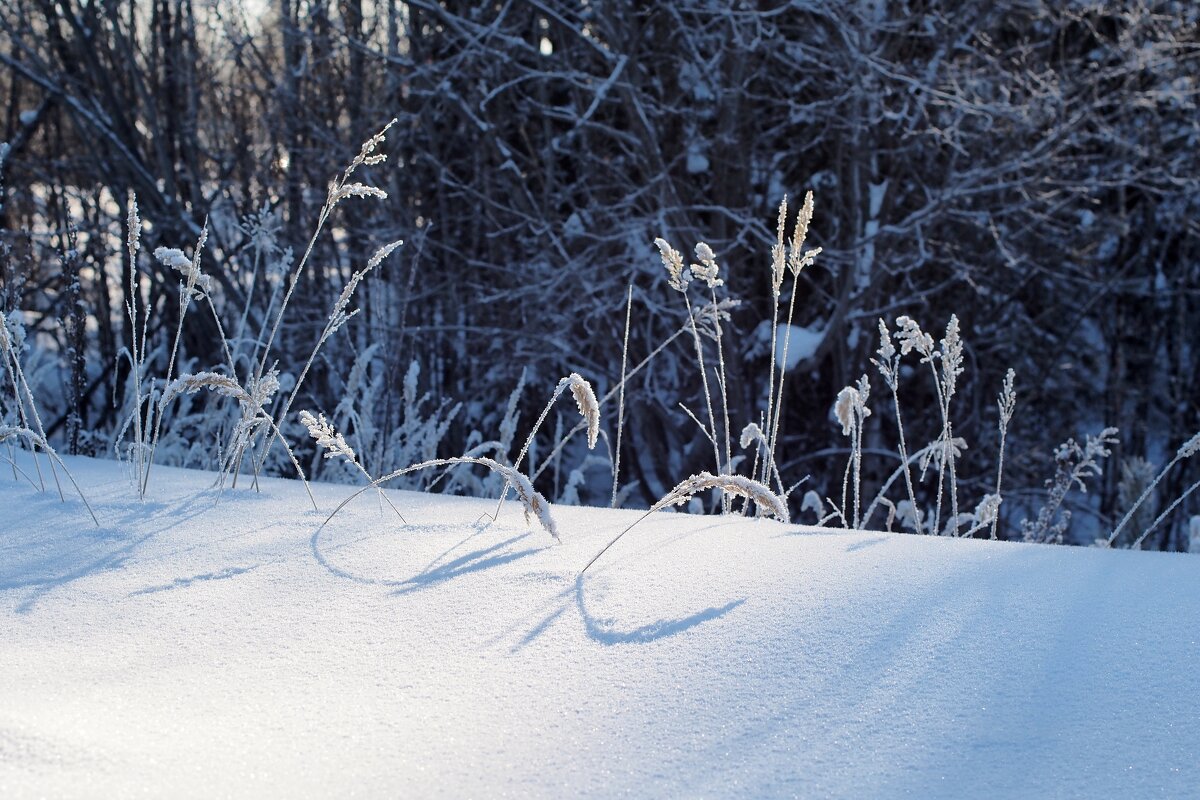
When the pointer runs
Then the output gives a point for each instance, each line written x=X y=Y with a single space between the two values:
x=802 y=343
x=187 y=649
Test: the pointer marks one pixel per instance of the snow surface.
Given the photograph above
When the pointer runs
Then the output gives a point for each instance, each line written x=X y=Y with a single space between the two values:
x=187 y=649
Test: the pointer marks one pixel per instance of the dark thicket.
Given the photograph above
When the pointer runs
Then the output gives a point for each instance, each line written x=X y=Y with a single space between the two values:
x=1032 y=167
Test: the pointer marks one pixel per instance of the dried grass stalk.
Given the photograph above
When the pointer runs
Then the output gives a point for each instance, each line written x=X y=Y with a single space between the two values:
x=322 y=432
x=1006 y=404
x=534 y=503
x=192 y=383
x=8 y=432
x=339 y=189
x=252 y=400
x=335 y=444
x=766 y=500
x=337 y=318
x=1185 y=451
x=621 y=402
x=589 y=407
x=797 y=260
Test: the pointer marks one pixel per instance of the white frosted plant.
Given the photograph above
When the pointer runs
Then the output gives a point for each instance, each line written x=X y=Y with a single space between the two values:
x=589 y=411
x=813 y=502
x=338 y=317
x=786 y=256
x=340 y=189
x=252 y=401
x=851 y=411
x=585 y=400
x=1185 y=451
x=1075 y=464
x=1136 y=476
x=796 y=258
x=477 y=446
x=357 y=397
x=138 y=451
x=335 y=446
x=982 y=518
x=888 y=364
x=952 y=360
x=909 y=514
x=616 y=469
x=767 y=502
x=12 y=343
x=508 y=423
x=778 y=272
x=36 y=442
x=327 y=438
x=197 y=282
x=754 y=437
x=945 y=380
x=279 y=267
x=945 y=360
x=589 y=407
x=707 y=271
x=1191 y=447
x=613 y=392
x=1006 y=404
x=262 y=229
x=29 y=421
x=415 y=437
x=679 y=278
x=533 y=503
x=195 y=285
x=570 y=492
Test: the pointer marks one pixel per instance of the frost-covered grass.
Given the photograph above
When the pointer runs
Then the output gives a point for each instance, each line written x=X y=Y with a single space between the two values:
x=363 y=444
x=189 y=648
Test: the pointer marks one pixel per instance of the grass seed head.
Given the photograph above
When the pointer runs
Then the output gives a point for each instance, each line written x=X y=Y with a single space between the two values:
x=707 y=269
x=766 y=500
x=911 y=337
x=589 y=407
x=1190 y=447
x=134 y=221
x=677 y=275
x=177 y=260
x=321 y=430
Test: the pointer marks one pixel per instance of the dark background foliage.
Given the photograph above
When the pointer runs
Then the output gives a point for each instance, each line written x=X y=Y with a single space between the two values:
x=1031 y=167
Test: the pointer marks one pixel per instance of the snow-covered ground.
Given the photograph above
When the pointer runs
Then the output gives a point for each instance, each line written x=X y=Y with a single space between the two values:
x=187 y=649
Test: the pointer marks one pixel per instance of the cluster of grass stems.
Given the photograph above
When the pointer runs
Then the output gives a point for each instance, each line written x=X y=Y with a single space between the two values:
x=251 y=380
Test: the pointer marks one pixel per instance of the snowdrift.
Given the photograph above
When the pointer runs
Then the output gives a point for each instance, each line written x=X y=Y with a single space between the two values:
x=192 y=648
